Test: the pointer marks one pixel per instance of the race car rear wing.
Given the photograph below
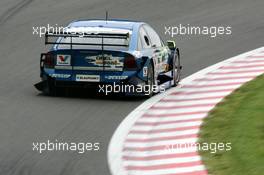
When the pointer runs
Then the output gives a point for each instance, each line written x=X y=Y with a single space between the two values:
x=103 y=36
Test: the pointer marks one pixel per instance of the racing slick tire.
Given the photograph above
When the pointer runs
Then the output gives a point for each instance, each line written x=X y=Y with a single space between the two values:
x=50 y=88
x=150 y=81
x=176 y=67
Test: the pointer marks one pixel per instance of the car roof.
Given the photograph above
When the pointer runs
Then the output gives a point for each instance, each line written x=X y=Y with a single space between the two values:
x=113 y=23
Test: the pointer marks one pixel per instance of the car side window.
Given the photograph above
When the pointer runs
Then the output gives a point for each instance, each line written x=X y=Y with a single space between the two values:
x=139 y=45
x=144 y=38
x=154 y=37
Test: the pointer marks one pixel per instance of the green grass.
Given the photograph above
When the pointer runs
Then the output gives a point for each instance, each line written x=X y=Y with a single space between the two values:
x=238 y=119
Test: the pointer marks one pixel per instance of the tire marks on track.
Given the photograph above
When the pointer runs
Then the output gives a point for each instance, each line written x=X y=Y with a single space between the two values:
x=9 y=13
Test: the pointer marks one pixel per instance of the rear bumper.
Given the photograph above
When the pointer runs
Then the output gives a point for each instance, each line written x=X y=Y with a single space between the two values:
x=92 y=77
x=122 y=87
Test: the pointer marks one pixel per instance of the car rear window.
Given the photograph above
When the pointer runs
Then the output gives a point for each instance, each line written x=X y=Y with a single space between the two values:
x=99 y=41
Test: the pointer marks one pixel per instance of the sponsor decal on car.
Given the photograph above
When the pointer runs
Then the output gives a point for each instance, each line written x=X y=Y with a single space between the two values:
x=116 y=77
x=63 y=60
x=107 y=60
x=60 y=75
x=88 y=78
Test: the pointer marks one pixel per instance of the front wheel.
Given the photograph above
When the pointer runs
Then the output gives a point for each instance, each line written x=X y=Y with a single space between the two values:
x=176 y=67
x=150 y=81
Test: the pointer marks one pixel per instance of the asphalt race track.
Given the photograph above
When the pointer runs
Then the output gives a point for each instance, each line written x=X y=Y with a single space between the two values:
x=27 y=116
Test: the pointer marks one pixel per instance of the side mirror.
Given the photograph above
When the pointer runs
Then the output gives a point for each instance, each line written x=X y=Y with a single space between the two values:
x=171 y=44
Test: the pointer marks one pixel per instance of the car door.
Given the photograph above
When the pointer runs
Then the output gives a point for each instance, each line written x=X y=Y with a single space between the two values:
x=160 y=52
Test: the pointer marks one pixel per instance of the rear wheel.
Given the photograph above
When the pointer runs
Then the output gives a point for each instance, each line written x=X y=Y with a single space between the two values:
x=176 y=68
x=50 y=88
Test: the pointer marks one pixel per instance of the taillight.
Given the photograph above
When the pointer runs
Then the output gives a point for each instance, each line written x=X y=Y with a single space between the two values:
x=49 y=60
x=130 y=63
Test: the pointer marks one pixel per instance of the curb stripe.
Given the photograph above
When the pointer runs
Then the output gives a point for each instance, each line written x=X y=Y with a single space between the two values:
x=158 y=157
x=237 y=72
x=259 y=56
x=225 y=78
x=247 y=62
x=165 y=166
x=163 y=138
x=186 y=106
x=204 y=172
x=150 y=148
x=202 y=92
x=174 y=114
x=191 y=99
x=212 y=85
x=164 y=130
x=167 y=122
x=241 y=67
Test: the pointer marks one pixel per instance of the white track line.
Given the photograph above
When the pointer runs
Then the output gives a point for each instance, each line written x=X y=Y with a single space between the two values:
x=140 y=144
